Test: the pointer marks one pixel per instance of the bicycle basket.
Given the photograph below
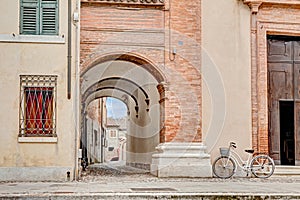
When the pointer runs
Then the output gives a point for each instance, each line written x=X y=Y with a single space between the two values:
x=224 y=151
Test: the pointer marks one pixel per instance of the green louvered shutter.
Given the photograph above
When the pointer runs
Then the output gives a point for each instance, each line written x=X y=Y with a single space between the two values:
x=49 y=17
x=29 y=17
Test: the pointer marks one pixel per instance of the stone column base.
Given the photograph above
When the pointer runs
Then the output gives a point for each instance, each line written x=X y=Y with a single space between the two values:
x=181 y=160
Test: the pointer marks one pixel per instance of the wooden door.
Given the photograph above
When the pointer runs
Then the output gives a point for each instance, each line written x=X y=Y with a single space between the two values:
x=284 y=85
x=297 y=100
x=280 y=88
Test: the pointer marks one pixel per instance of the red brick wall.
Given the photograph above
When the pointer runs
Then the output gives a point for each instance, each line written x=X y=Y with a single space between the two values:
x=184 y=106
x=144 y=31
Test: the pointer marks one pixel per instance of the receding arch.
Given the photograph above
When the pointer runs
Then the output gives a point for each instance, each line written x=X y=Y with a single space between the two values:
x=88 y=99
x=124 y=79
x=116 y=83
x=100 y=96
x=129 y=57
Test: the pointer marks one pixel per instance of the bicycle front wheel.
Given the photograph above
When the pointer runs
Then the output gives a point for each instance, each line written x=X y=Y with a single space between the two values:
x=223 y=167
x=262 y=166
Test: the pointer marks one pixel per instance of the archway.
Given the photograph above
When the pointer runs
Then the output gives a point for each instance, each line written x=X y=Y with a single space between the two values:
x=135 y=82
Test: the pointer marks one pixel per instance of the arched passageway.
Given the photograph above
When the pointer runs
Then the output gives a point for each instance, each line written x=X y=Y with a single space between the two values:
x=134 y=82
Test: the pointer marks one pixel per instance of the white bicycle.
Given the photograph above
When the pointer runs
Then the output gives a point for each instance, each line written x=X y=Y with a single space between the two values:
x=261 y=166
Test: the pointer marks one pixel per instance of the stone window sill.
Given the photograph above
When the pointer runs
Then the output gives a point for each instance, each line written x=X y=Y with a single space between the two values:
x=37 y=139
x=45 y=39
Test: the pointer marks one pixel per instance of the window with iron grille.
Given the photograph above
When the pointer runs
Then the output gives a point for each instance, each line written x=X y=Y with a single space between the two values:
x=37 y=105
x=39 y=17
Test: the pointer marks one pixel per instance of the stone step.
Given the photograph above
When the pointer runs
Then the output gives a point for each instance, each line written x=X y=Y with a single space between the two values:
x=286 y=170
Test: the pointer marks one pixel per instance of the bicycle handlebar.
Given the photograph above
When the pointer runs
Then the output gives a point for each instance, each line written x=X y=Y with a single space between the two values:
x=232 y=144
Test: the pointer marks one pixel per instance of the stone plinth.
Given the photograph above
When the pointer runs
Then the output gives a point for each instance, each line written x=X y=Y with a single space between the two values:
x=181 y=160
x=36 y=173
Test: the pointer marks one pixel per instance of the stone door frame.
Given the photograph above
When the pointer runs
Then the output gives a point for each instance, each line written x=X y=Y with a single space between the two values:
x=260 y=28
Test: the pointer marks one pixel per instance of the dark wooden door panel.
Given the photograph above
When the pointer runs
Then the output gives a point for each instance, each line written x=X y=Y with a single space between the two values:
x=297 y=51
x=274 y=131
x=279 y=50
x=297 y=99
x=280 y=81
x=297 y=131
x=297 y=81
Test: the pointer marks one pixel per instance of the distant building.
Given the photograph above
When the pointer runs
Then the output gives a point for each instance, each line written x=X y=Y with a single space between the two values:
x=95 y=127
x=116 y=131
x=106 y=137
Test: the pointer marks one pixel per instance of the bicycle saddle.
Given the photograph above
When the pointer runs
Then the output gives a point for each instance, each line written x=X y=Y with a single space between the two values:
x=249 y=150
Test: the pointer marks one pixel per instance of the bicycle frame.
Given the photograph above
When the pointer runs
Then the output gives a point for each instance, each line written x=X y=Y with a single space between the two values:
x=243 y=164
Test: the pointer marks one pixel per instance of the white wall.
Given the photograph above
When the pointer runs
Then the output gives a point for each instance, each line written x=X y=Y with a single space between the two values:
x=226 y=74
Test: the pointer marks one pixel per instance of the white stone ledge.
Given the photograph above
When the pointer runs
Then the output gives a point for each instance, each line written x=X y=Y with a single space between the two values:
x=181 y=147
x=176 y=155
x=46 y=39
x=188 y=147
x=37 y=139
x=181 y=160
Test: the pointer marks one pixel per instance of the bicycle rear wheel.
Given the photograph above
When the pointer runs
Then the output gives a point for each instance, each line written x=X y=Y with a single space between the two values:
x=223 y=167
x=262 y=166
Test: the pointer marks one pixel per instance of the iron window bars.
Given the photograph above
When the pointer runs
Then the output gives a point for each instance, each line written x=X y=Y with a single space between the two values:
x=37 y=110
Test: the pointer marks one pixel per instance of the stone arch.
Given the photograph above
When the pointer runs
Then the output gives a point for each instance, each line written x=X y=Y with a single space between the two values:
x=130 y=57
x=111 y=83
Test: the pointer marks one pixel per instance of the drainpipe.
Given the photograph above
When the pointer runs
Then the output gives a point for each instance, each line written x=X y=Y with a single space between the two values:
x=77 y=109
x=69 y=57
x=69 y=48
x=102 y=129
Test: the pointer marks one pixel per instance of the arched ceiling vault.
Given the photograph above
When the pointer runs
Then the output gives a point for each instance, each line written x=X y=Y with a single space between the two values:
x=120 y=84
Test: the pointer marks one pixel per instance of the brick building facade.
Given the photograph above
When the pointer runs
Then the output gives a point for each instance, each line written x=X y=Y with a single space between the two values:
x=163 y=38
x=143 y=29
x=208 y=63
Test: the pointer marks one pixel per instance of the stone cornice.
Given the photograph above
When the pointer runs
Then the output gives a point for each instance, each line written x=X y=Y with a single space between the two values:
x=255 y=4
x=288 y=2
x=129 y=2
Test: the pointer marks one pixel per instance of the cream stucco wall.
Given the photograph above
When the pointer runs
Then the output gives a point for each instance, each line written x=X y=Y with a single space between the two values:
x=35 y=55
x=226 y=74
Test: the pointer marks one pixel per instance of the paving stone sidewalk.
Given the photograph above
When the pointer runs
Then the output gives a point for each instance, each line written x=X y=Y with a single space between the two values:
x=118 y=184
